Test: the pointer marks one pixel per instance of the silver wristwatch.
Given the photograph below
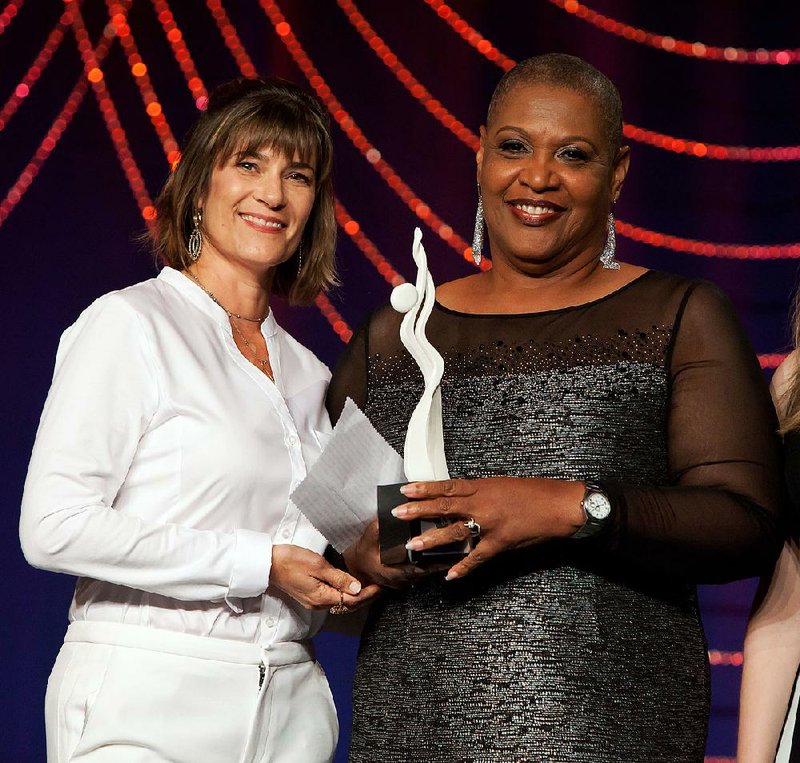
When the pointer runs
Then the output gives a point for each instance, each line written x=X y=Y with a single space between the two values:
x=596 y=509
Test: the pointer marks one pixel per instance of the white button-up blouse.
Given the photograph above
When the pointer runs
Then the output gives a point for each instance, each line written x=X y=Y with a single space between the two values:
x=163 y=465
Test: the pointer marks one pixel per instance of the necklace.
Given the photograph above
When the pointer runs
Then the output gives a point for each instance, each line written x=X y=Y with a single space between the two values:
x=264 y=363
x=218 y=303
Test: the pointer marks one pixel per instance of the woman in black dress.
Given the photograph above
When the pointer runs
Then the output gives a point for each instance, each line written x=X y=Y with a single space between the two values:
x=608 y=429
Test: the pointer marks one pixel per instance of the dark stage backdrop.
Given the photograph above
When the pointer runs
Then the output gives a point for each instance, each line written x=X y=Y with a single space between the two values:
x=87 y=133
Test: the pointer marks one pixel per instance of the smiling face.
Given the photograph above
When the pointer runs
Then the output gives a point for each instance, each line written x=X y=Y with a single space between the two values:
x=256 y=207
x=547 y=178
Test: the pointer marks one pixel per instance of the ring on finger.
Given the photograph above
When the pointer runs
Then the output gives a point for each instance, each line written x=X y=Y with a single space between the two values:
x=474 y=528
x=340 y=608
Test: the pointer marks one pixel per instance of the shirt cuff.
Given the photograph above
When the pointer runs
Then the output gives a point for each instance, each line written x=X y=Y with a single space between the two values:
x=252 y=561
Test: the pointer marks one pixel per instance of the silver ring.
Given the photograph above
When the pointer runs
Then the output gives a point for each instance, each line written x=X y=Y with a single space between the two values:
x=473 y=527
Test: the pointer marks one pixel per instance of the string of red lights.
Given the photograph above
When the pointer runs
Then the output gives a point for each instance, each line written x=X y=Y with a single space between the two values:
x=669 y=44
x=405 y=77
x=352 y=228
x=54 y=133
x=138 y=69
x=8 y=13
x=181 y=53
x=357 y=137
x=686 y=146
x=634 y=232
x=110 y=116
x=231 y=38
x=23 y=89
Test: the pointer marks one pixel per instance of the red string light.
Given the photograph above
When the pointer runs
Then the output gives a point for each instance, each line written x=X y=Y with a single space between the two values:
x=23 y=89
x=54 y=133
x=679 y=47
x=181 y=53
x=370 y=251
x=405 y=77
x=111 y=118
x=359 y=140
x=338 y=324
x=639 y=134
x=772 y=360
x=8 y=13
x=716 y=657
x=231 y=38
x=138 y=69
x=707 y=248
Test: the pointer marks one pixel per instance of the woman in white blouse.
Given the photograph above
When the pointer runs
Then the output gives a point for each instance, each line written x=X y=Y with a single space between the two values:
x=179 y=420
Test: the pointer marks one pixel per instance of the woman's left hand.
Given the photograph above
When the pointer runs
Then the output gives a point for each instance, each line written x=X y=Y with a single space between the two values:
x=512 y=512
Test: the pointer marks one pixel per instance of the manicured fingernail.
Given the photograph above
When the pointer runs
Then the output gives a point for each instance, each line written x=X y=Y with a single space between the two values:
x=415 y=545
x=400 y=512
x=408 y=489
x=355 y=587
x=451 y=575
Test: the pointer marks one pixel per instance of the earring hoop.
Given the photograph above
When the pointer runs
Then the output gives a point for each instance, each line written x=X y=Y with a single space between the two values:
x=299 y=259
x=195 y=243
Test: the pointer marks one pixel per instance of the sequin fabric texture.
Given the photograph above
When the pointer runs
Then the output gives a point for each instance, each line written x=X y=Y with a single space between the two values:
x=556 y=652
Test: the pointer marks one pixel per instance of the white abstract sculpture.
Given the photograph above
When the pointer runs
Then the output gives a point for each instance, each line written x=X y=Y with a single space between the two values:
x=423 y=453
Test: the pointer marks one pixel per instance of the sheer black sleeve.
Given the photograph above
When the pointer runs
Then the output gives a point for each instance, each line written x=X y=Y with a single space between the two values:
x=350 y=376
x=721 y=517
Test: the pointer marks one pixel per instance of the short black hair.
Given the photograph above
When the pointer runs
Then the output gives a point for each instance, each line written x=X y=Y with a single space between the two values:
x=570 y=73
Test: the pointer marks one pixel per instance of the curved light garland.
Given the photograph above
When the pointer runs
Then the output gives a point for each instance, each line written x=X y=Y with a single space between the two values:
x=181 y=53
x=680 y=47
x=231 y=38
x=23 y=89
x=56 y=130
x=138 y=70
x=670 y=143
x=8 y=13
x=108 y=110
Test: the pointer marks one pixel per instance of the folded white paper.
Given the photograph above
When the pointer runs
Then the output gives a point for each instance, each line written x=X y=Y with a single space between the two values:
x=338 y=493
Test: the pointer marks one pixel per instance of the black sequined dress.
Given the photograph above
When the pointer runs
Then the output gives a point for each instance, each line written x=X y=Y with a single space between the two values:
x=586 y=650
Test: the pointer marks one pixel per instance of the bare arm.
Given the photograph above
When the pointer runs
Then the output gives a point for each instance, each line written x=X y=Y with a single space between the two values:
x=772 y=642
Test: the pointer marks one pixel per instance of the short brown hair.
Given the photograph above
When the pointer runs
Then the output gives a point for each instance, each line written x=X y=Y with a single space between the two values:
x=570 y=73
x=243 y=116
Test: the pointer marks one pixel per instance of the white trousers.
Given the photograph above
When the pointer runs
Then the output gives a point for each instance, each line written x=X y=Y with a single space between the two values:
x=130 y=694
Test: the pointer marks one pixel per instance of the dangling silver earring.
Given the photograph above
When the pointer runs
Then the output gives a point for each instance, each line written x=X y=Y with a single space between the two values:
x=477 y=237
x=299 y=259
x=196 y=236
x=607 y=255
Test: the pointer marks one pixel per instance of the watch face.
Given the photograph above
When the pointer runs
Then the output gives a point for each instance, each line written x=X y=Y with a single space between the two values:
x=597 y=505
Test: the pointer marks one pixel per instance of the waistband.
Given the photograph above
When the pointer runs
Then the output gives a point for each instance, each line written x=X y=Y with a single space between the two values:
x=189 y=645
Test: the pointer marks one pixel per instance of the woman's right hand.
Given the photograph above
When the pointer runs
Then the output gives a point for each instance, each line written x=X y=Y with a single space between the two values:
x=363 y=559
x=315 y=583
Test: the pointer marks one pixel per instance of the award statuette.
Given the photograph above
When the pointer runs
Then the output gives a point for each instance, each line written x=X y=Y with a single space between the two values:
x=423 y=452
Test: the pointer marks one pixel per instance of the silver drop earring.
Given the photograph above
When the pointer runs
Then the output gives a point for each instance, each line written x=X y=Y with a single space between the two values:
x=607 y=255
x=477 y=237
x=299 y=259
x=196 y=236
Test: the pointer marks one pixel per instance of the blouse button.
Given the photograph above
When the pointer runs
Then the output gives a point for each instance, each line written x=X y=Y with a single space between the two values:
x=286 y=532
x=291 y=440
x=270 y=623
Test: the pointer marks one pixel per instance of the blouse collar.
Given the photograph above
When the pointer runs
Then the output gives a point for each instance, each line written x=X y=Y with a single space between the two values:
x=205 y=304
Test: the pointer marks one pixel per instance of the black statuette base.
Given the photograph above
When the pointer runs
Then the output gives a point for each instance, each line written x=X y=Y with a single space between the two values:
x=394 y=533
